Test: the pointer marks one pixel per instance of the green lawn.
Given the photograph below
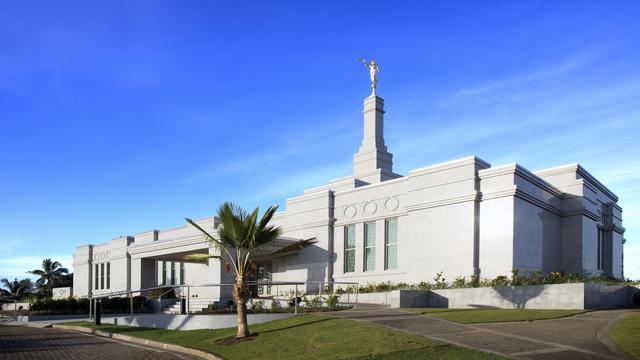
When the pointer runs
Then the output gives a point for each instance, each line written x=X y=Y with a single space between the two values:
x=626 y=334
x=308 y=337
x=474 y=316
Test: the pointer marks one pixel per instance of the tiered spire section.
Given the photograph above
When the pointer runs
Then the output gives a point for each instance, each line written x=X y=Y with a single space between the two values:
x=373 y=163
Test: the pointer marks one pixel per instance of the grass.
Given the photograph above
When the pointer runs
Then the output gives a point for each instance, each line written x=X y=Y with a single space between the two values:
x=626 y=334
x=475 y=316
x=307 y=337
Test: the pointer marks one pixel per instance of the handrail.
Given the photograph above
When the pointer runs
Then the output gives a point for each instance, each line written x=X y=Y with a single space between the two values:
x=93 y=298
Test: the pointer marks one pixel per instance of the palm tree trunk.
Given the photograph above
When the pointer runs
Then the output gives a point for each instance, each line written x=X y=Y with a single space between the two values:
x=240 y=293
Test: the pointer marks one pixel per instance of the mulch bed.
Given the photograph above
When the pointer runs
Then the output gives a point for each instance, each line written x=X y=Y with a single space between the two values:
x=231 y=340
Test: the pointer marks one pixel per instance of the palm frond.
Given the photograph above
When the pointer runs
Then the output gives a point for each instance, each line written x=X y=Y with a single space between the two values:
x=295 y=246
x=209 y=237
x=201 y=257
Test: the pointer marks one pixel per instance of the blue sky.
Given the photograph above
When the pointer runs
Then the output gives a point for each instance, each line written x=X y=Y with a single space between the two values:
x=118 y=117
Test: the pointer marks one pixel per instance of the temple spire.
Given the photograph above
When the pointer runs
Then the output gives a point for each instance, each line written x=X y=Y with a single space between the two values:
x=373 y=163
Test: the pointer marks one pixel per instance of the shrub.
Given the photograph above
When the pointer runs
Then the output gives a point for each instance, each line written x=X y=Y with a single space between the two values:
x=315 y=303
x=74 y=305
x=500 y=281
x=275 y=305
x=459 y=282
x=440 y=281
x=257 y=306
x=332 y=301
x=515 y=278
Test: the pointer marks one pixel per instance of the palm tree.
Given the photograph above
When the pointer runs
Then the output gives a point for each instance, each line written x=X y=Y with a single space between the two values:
x=17 y=288
x=238 y=236
x=51 y=272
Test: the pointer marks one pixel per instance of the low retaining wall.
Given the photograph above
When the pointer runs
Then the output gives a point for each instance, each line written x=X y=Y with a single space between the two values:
x=555 y=296
x=190 y=322
x=13 y=306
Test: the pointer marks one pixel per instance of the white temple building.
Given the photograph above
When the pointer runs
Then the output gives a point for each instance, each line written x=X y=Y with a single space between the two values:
x=461 y=217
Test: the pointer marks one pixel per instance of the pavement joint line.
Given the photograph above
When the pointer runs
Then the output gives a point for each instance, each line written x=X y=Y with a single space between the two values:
x=169 y=348
x=430 y=337
x=126 y=343
x=542 y=342
x=549 y=343
x=541 y=351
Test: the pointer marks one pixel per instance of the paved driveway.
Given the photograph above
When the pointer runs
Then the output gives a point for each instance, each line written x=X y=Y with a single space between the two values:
x=26 y=343
x=584 y=336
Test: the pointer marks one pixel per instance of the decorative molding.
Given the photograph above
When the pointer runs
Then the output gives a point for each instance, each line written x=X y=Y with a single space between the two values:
x=350 y=211
x=370 y=207
x=392 y=204
x=475 y=196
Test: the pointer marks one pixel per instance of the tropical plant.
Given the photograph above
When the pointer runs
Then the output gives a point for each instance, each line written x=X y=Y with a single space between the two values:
x=275 y=305
x=17 y=288
x=239 y=235
x=441 y=282
x=332 y=301
x=49 y=274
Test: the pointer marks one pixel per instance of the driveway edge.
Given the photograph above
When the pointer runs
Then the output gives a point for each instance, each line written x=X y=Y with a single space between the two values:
x=139 y=341
x=604 y=336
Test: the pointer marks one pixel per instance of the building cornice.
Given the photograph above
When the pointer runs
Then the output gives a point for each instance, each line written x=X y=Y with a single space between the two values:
x=447 y=165
x=578 y=169
x=168 y=244
x=522 y=172
x=475 y=196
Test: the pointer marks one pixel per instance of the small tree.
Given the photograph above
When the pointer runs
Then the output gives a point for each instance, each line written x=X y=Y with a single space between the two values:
x=239 y=234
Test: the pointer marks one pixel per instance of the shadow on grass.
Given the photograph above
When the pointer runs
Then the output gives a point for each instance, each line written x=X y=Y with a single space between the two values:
x=293 y=326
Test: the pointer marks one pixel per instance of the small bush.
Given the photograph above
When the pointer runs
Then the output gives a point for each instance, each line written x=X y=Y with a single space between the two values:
x=315 y=303
x=275 y=306
x=459 y=282
x=332 y=301
x=257 y=306
x=500 y=281
x=440 y=281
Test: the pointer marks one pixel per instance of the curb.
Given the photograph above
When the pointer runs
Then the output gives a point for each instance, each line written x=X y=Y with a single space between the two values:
x=139 y=341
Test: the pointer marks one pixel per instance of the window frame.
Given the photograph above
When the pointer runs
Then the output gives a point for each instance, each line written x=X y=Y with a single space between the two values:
x=367 y=246
x=108 y=275
x=101 y=276
x=97 y=277
x=600 y=250
x=348 y=250
x=182 y=272
x=387 y=244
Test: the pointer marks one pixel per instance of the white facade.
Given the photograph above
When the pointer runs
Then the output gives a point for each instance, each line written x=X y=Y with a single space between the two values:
x=462 y=217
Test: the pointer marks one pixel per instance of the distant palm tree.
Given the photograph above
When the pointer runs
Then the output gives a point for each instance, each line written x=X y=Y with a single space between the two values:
x=238 y=236
x=50 y=273
x=17 y=288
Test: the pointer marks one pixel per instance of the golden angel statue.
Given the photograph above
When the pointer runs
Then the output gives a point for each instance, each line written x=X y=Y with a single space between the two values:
x=374 y=69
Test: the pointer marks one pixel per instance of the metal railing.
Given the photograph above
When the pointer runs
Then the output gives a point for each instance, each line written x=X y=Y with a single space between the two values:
x=326 y=286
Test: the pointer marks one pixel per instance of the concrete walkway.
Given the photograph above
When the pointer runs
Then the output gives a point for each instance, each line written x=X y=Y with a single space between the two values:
x=584 y=336
x=28 y=342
